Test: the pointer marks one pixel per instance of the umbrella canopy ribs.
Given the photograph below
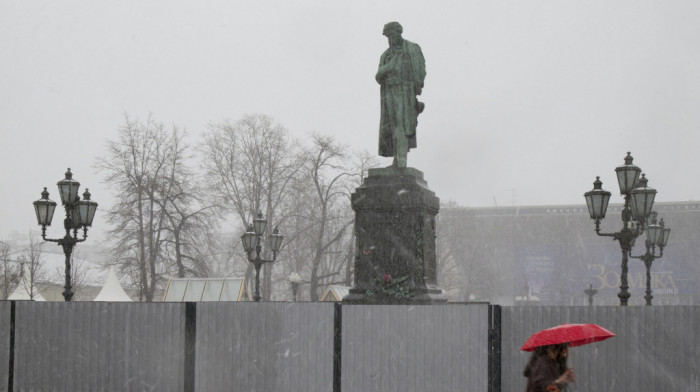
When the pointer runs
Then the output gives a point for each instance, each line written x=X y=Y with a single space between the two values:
x=571 y=334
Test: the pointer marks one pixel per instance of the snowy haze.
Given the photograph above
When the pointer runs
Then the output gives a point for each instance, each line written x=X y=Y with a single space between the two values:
x=526 y=101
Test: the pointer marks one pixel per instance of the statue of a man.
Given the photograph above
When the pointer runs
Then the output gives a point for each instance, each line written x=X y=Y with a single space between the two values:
x=401 y=74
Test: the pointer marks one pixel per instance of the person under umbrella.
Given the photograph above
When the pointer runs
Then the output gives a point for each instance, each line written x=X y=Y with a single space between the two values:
x=547 y=371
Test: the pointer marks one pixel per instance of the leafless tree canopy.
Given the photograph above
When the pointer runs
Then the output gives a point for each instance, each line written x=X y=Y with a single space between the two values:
x=158 y=215
x=250 y=165
x=171 y=220
x=10 y=270
x=253 y=165
x=32 y=266
x=78 y=272
x=322 y=215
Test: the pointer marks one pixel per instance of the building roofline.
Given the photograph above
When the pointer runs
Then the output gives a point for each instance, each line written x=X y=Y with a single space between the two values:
x=567 y=208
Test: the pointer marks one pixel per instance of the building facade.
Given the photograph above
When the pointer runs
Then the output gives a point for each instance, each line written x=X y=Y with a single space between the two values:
x=548 y=255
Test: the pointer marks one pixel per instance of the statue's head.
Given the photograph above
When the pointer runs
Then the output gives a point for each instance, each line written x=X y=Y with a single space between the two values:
x=392 y=27
x=392 y=31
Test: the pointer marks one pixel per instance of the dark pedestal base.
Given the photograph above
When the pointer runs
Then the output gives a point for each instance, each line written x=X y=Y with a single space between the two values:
x=428 y=297
x=395 y=259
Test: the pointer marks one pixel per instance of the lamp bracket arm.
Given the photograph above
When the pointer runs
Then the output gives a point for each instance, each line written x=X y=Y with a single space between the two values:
x=614 y=235
x=75 y=236
x=85 y=229
x=597 y=231
x=43 y=235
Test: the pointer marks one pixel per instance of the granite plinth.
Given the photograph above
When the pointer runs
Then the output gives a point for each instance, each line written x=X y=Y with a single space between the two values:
x=395 y=233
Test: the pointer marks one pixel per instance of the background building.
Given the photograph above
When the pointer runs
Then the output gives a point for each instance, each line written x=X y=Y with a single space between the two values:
x=549 y=255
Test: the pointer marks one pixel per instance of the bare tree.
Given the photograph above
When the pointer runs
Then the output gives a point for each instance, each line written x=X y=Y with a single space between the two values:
x=321 y=229
x=10 y=270
x=189 y=233
x=189 y=219
x=253 y=166
x=78 y=272
x=249 y=166
x=323 y=218
x=32 y=266
x=222 y=251
x=145 y=168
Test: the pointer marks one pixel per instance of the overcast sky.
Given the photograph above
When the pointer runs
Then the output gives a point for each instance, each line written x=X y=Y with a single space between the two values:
x=526 y=101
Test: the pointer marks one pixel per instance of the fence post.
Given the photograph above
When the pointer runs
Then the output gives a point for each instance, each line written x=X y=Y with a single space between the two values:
x=494 y=345
x=11 y=361
x=337 y=344
x=190 y=341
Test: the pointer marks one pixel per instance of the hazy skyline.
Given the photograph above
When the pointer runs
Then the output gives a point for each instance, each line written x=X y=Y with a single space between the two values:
x=526 y=101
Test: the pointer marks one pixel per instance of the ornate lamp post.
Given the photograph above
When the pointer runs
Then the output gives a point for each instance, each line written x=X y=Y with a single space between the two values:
x=79 y=214
x=252 y=241
x=657 y=235
x=590 y=292
x=295 y=280
x=639 y=200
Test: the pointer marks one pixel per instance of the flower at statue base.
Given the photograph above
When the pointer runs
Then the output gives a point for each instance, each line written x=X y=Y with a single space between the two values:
x=390 y=287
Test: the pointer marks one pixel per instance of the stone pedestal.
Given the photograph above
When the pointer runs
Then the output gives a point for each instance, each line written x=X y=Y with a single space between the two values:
x=395 y=259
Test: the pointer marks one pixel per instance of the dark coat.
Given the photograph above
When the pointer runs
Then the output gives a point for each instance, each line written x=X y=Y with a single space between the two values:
x=542 y=374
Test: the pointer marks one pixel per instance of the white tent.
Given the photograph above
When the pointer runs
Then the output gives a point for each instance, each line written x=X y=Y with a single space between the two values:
x=112 y=291
x=335 y=293
x=21 y=292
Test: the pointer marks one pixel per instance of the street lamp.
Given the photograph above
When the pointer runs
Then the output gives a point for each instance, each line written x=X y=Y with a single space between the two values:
x=252 y=241
x=590 y=292
x=295 y=280
x=79 y=214
x=657 y=235
x=639 y=200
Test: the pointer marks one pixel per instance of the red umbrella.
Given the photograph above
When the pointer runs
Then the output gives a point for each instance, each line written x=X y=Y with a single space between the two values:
x=573 y=334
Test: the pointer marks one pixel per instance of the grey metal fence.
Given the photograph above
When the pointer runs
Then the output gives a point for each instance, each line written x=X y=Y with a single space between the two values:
x=656 y=348
x=325 y=347
x=98 y=346
x=415 y=348
x=264 y=346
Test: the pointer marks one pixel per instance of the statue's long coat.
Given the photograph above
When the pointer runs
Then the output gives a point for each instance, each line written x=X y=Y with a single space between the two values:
x=398 y=97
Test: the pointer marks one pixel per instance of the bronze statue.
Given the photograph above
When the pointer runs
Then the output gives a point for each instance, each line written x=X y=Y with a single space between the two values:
x=401 y=74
